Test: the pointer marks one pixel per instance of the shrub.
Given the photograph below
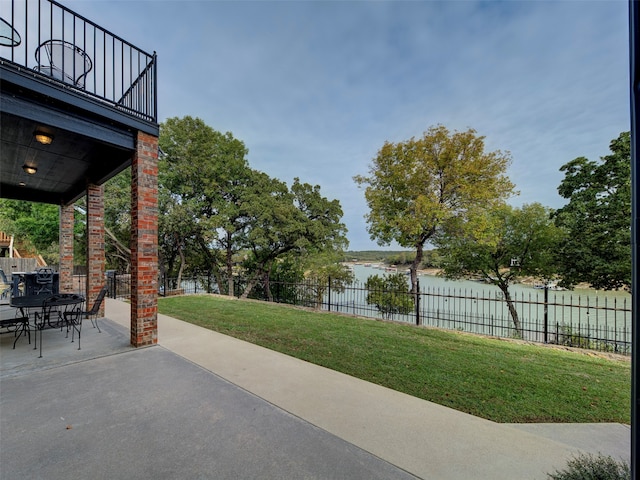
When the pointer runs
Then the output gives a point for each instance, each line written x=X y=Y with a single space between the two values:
x=389 y=294
x=566 y=336
x=589 y=467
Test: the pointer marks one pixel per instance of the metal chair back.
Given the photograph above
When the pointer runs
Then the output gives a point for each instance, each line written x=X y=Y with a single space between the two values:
x=64 y=61
x=9 y=37
x=95 y=309
x=44 y=281
x=96 y=305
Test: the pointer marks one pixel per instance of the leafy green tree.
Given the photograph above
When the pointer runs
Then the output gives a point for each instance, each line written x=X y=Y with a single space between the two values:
x=402 y=258
x=287 y=274
x=35 y=225
x=500 y=245
x=597 y=219
x=280 y=222
x=322 y=271
x=416 y=186
x=204 y=174
x=117 y=221
x=390 y=294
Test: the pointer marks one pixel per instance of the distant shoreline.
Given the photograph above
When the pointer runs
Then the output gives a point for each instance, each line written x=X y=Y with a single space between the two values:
x=528 y=281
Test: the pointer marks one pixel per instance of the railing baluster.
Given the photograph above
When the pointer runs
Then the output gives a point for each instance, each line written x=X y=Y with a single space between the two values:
x=60 y=23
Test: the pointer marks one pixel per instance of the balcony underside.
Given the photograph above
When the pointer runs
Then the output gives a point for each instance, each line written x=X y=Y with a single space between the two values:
x=93 y=140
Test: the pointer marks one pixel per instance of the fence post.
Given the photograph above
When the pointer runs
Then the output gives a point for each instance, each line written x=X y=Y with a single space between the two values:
x=546 y=312
x=329 y=296
x=112 y=280
x=417 y=301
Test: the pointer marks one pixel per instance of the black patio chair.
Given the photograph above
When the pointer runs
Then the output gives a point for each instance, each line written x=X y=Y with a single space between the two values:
x=64 y=61
x=73 y=320
x=44 y=281
x=90 y=314
x=19 y=324
x=9 y=37
x=5 y=285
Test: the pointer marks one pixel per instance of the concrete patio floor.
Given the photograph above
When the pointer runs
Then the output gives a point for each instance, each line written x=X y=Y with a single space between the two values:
x=204 y=405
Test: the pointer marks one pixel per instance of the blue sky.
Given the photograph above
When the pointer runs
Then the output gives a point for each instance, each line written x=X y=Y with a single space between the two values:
x=314 y=88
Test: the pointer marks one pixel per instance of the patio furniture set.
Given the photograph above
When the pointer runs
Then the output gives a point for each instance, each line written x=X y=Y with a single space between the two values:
x=33 y=296
x=35 y=304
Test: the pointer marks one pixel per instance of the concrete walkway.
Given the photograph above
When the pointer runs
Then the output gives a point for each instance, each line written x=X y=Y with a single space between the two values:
x=423 y=438
x=248 y=412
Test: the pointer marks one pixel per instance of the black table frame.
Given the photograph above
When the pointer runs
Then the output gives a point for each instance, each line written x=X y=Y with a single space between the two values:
x=45 y=303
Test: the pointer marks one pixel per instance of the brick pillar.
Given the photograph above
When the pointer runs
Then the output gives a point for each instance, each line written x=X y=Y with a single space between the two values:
x=66 y=249
x=95 y=244
x=144 y=242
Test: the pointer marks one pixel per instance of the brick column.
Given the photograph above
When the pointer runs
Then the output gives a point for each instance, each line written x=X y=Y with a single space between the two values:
x=95 y=244
x=66 y=249
x=144 y=242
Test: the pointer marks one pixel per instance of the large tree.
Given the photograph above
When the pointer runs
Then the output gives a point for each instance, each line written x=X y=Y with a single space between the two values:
x=501 y=244
x=117 y=221
x=416 y=186
x=597 y=219
x=283 y=221
x=204 y=175
x=35 y=226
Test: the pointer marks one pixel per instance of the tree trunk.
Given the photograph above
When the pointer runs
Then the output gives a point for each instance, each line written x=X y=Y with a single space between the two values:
x=230 y=291
x=120 y=247
x=414 y=277
x=512 y=309
x=183 y=263
x=414 y=267
x=253 y=281
x=219 y=279
x=267 y=285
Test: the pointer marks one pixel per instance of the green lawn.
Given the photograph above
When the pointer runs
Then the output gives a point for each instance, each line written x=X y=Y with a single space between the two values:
x=496 y=379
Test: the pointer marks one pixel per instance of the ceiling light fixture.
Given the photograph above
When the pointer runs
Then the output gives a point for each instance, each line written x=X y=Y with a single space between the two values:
x=29 y=169
x=43 y=137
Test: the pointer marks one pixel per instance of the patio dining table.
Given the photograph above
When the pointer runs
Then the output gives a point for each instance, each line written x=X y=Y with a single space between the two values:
x=44 y=305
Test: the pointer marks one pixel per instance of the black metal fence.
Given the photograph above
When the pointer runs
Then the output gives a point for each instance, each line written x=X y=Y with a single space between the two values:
x=594 y=322
x=54 y=43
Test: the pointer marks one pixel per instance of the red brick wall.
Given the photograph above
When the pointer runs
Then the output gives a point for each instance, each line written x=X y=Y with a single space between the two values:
x=66 y=249
x=144 y=242
x=95 y=244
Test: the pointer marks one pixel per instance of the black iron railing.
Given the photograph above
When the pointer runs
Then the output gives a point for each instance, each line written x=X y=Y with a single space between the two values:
x=565 y=318
x=56 y=44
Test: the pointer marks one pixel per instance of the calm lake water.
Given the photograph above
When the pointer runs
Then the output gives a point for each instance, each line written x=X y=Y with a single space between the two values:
x=598 y=319
x=433 y=281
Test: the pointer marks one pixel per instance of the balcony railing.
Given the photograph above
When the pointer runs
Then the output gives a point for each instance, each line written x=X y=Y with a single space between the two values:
x=55 y=44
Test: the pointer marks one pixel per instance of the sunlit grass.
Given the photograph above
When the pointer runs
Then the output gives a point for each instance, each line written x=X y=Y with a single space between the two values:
x=499 y=380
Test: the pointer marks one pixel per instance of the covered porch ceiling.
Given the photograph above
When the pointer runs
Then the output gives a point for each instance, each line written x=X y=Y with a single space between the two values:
x=90 y=90
x=90 y=142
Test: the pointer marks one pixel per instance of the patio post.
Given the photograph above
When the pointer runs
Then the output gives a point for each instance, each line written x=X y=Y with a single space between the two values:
x=95 y=244
x=66 y=248
x=144 y=242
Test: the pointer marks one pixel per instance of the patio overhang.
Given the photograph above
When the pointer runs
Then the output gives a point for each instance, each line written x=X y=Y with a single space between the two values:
x=93 y=110
x=94 y=95
x=86 y=149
